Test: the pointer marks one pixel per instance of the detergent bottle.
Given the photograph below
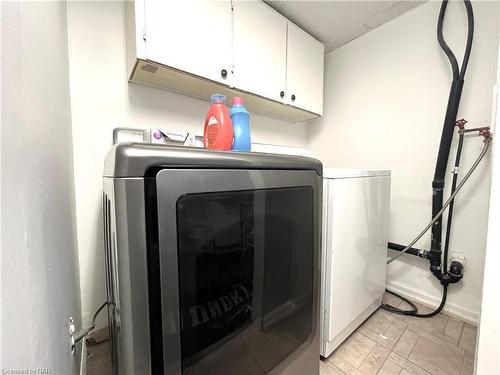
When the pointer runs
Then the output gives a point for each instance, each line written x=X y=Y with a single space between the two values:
x=241 y=125
x=218 y=131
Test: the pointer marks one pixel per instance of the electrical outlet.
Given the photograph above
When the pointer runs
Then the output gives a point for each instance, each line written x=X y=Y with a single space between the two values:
x=459 y=256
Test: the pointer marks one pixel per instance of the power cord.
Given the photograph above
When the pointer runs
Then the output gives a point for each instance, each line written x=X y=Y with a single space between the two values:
x=85 y=331
x=414 y=310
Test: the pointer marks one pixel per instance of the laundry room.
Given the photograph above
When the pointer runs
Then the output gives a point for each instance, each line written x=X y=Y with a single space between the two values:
x=249 y=187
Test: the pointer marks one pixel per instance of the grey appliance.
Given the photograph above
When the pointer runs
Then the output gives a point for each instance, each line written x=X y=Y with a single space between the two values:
x=212 y=261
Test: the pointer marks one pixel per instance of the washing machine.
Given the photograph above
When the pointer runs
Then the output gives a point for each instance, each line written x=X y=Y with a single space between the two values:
x=354 y=250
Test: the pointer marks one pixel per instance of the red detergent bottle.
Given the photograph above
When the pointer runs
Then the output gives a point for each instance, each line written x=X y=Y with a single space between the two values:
x=218 y=131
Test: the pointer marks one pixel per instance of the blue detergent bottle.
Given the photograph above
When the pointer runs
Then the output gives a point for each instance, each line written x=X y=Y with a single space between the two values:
x=241 y=125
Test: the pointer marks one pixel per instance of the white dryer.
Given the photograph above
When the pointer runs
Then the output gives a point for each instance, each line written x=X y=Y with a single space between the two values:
x=354 y=250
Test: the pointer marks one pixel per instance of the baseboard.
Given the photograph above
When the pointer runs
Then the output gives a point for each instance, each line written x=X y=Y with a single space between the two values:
x=450 y=308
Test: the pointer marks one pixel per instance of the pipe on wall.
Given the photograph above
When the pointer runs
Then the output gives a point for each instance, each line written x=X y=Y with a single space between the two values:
x=412 y=250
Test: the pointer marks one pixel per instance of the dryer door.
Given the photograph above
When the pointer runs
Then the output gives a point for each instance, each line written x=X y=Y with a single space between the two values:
x=237 y=269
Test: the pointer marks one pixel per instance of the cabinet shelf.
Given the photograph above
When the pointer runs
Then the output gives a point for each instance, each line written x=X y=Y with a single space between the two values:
x=160 y=76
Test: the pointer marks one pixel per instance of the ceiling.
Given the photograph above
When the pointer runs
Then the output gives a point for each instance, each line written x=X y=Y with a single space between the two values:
x=337 y=22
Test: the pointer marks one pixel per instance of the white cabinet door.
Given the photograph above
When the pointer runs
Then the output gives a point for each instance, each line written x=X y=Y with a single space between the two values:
x=191 y=35
x=259 y=50
x=305 y=66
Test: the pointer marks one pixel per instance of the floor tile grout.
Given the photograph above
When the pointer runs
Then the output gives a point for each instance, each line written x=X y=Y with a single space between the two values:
x=411 y=351
x=461 y=333
x=462 y=365
x=413 y=346
x=415 y=343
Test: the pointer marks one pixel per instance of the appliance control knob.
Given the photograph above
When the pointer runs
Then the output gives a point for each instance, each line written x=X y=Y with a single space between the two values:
x=282 y=94
x=223 y=73
x=293 y=98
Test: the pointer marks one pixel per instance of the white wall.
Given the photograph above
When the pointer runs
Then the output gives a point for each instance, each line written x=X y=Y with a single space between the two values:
x=101 y=99
x=385 y=99
x=488 y=346
x=39 y=280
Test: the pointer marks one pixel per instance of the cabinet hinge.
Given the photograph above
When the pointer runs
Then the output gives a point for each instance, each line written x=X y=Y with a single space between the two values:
x=144 y=34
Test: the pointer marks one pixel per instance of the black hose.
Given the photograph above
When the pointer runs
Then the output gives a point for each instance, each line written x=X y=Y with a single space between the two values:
x=470 y=36
x=442 y=161
x=414 y=311
x=397 y=310
x=444 y=46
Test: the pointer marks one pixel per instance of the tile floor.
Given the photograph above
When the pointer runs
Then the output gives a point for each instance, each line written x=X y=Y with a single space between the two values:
x=99 y=356
x=385 y=344
x=388 y=344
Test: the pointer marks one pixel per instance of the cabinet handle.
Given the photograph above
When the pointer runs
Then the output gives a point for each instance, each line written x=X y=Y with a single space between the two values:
x=282 y=94
x=223 y=73
x=293 y=98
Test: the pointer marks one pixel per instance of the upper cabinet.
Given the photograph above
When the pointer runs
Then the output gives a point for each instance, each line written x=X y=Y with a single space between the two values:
x=304 y=70
x=238 y=48
x=193 y=36
x=259 y=49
